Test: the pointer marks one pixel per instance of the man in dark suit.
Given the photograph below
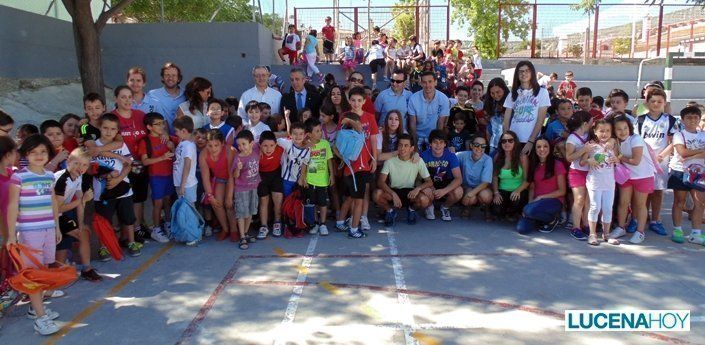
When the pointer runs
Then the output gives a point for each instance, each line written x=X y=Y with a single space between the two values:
x=302 y=95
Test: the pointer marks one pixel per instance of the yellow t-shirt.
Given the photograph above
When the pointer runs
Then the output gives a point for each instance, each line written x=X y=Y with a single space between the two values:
x=402 y=174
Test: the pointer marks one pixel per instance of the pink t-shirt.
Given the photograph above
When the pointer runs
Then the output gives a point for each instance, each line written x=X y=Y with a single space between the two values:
x=549 y=185
x=249 y=175
x=4 y=190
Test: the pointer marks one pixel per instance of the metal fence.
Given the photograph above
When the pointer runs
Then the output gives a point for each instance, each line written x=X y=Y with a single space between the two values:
x=610 y=30
x=428 y=23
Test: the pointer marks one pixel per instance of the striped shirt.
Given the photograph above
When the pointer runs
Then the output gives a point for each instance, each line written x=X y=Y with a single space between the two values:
x=35 y=209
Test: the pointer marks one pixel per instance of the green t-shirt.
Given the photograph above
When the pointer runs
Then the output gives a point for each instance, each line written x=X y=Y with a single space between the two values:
x=317 y=173
x=402 y=174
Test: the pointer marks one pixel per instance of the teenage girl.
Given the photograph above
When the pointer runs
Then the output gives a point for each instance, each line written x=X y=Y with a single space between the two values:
x=214 y=164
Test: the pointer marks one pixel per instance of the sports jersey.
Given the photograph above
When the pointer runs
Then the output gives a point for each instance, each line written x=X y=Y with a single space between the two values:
x=293 y=159
x=111 y=163
x=656 y=132
x=66 y=186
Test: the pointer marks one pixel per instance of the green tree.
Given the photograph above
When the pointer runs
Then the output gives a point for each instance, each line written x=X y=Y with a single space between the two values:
x=622 y=45
x=404 y=23
x=576 y=50
x=273 y=23
x=480 y=16
x=149 y=11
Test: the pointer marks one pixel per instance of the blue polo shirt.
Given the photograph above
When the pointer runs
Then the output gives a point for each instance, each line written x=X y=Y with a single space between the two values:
x=475 y=172
x=165 y=104
x=387 y=100
x=428 y=113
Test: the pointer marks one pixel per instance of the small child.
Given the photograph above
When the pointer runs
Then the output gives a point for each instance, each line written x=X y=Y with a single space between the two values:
x=216 y=108
x=256 y=126
x=584 y=101
x=7 y=123
x=185 y=160
x=318 y=173
x=579 y=127
x=328 y=119
x=557 y=130
x=199 y=136
x=51 y=129
x=265 y=111
x=214 y=162
x=619 y=100
x=8 y=150
x=25 y=131
x=568 y=86
x=69 y=126
x=305 y=114
x=243 y=183
x=464 y=110
x=459 y=138
x=271 y=185
x=348 y=57
x=296 y=155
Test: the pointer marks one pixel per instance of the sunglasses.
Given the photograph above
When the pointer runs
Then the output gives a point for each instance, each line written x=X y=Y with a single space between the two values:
x=479 y=145
x=396 y=81
x=507 y=141
x=355 y=80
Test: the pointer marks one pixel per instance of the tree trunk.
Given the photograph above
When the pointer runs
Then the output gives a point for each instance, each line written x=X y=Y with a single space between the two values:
x=88 y=52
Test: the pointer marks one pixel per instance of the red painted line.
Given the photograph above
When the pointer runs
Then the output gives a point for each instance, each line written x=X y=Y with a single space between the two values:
x=203 y=312
x=440 y=255
x=503 y=305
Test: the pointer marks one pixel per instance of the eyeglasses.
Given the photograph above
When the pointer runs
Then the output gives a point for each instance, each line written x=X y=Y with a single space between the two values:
x=524 y=71
x=479 y=145
x=507 y=141
x=355 y=80
x=396 y=81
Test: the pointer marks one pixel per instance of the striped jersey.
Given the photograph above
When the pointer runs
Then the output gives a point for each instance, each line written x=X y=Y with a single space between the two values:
x=35 y=208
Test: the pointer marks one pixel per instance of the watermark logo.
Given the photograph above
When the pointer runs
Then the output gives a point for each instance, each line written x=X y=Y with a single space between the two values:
x=627 y=320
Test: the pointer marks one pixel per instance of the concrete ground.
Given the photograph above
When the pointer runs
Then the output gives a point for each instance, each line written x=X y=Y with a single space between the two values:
x=463 y=282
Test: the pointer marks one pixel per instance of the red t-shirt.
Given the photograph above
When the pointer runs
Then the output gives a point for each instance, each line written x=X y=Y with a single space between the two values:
x=368 y=106
x=542 y=186
x=596 y=114
x=568 y=88
x=369 y=126
x=272 y=162
x=70 y=144
x=329 y=32
x=132 y=129
x=163 y=168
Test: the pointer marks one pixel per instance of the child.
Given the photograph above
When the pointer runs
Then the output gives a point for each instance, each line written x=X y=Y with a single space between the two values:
x=376 y=59
x=460 y=138
x=568 y=86
x=276 y=123
x=402 y=173
x=8 y=148
x=388 y=139
x=256 y=126
x=619 y=100
x=689 y=147
x=461 y=95
x=215 y=173
x=32 y=218
x=328 y=119
x=290 y=45
x=69 y=126
x=215 y=113
x=579 y=126
x=318 y=173
x=265 y=111
x=72 y=200
x=185 y=160
x=557 y=130
x=243 y=183
x=24 y=131
x=271 y=185
x=584 y=95
x=601 y=157
x=497 y=92
x=123 y=205
x=476 y=103
x=7 y=123
x=199 y=135
x=348 y=57
x=657 y=129
x=305 y=114
x=157 y=157
x=296 y=154
x=51 y=129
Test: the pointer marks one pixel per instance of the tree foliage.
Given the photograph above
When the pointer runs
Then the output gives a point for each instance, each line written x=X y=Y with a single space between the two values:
x=273 y=23
x=622 y=45
x=404 y=23
x=575 y=50
x=149 y=11
x=481 y=18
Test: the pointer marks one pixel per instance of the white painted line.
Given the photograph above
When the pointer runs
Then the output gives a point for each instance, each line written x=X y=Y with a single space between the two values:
x=697 y=319
x=407 y=317
x=290 y=313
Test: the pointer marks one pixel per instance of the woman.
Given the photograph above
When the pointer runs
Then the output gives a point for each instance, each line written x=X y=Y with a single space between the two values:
x=357 y=79
x=136 y=79
x=546 y=191
x=198 y=92
x=337 y=99
x=497 y=92
x=526 y=107
x=311 y=51
x=509 y=179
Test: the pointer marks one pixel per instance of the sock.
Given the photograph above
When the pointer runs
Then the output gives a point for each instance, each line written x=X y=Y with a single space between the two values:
x=678 y=228
x=352 y=230
x=340 y=222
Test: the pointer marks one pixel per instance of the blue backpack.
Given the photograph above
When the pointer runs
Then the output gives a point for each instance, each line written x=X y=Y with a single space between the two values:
x=186 y=223
x=350 y=143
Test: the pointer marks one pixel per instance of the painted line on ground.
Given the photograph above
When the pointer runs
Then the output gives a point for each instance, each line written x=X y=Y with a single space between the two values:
x=442 y=255
x=297 y=291
x=93 y=307
x=407 y=315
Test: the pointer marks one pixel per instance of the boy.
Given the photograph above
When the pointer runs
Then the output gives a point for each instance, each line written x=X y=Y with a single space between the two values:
x=52 y=130
x=318 y=173
x=464 y=110
x=476 y=92
x=185 y=160
x=265 y=111
x=216 y=109
x=446 y=176
x=123 y=205
x=256 y=126
x=584 y=95
x=657 y=128
x=619 y=100
x=567 y=87
x=290 y=45
x=459 y=136
x=70 y=197
x=271 y=184
x=94 y=106
x=402 y=173
x=157 y=157
x=7 y=123
x=243 y=185
x=296 y=155
x=366 y=163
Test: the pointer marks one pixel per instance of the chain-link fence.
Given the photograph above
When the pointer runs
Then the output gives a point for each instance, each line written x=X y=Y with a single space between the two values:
x=608 y=30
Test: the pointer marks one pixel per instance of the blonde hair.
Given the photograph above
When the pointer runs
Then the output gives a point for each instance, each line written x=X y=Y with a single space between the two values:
x=80 y=153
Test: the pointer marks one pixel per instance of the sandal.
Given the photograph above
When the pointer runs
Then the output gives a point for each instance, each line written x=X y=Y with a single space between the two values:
x=243 y=244
x=612 y=241
x=251 y=239
x=592 y=240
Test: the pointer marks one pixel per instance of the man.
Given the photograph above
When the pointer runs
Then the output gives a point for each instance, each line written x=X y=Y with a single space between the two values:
x=395 y=97
x=476 y=168
x=166 y=99
x=261 y=92
x=328 y=40
x=302 y=95
x=428 y=110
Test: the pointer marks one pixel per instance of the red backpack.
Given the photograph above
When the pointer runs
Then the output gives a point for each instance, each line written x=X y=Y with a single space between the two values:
x=293 y=211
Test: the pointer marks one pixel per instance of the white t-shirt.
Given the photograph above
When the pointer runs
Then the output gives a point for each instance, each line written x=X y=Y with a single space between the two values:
x=258 y=129
x=602 y=177
x=692 y=141
x=198 y=116
x=392 y=53
x=645 y=168
x=477 y=60
x=293 y=159
x=526 y=111
x=656 y=132
x=291 y=40
x=376 y=52
x=578 y=144
x=185 y=149
x=112 y=163
x=545 y=81
x=416 y=50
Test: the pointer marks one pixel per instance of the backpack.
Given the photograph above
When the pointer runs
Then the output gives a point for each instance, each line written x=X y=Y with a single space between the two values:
x=32 y=276
x=293 y=211
x=350 y=143
x=106 y=234
x=186 y=223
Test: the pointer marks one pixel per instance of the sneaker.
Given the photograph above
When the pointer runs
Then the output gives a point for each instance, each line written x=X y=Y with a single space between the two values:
x=263 y=232
x=50 y=314
x=158 y=235
x=277 y=229
x=167 y=228
x=637 y=238
x=410 y=216
x=141 y=235
x=341 y=227
x=207 y=231
x=430 y=213
x=365 y=224
x=697 y=239
x=104 y=254
x=617 y=233
x=677 y=236
x=658 y=228
x=91 y=275
x=631 y=227
x=390 y=217
x=192 y=243
x=134 y=249
x=45 y=326
x=356 y=234
x=55 y=294
x=314 y=229
x=578 y=234
x=323 y=230
x=445 y=214
x=548 y=228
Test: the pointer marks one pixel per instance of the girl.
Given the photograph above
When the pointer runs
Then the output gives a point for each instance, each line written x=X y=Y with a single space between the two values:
x=602 y=153
x=69 y=126
x=32 y=218
x=200 y=138
x=509 y=179
x=7 y=160
x=215 y=114
x=311 y=52
x=338 y=100
x=305 y=114
x=329 y=120
x=391 y=59
x=198 y=91
x=497 y=92
x=579 y=125
x=348 y=57
x=636 y=157
x=546 y=192
x=257 y=127
x=387 y=142
x=214 y=163
x=530 y=101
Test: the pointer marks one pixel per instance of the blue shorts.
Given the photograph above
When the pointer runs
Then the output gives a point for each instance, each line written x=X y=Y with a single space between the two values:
x=288 y=187
x=162 y=186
